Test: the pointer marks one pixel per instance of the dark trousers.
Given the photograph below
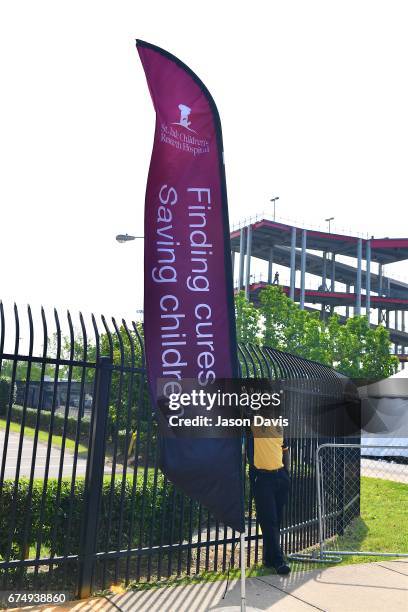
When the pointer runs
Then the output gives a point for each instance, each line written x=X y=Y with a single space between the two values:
x=271 y=490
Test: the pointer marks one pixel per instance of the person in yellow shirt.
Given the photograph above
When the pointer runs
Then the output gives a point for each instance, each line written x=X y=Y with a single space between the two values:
x=268 y=457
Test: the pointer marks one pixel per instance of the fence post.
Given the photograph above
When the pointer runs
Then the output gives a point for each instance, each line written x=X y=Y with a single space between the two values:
x=342 y=498
x=96 y=458
x=320 y=513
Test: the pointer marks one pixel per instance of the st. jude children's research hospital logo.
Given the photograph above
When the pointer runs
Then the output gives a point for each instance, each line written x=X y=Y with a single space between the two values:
x=182 y=137
x=184 y=115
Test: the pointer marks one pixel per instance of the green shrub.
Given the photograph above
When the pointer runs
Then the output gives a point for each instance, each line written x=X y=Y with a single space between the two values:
x=45 y=420
x=5 y=395
x=61 y=534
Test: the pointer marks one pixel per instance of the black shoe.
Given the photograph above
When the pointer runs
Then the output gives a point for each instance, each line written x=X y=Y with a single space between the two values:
x=282 y=569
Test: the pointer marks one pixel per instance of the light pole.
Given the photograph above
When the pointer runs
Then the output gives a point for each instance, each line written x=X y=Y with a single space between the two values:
x=121 y=238
x=274 y=206
x=328 y=221
x=126 y=238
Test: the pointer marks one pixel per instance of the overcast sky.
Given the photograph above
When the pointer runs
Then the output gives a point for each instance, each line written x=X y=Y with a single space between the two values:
x=313 y=97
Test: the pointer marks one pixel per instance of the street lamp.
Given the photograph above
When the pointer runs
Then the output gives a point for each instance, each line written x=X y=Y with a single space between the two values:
x=328 y=221
x=274 y=206
x=126 y=238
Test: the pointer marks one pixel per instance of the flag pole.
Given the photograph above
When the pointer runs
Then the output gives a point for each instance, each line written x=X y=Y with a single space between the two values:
x=242 y=535
x=243 y=572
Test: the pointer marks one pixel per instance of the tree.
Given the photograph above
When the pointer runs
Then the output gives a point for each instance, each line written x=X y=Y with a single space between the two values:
x=247 y=319
x=127 y=393
x=355 y=348
x=360 y=351
x=288 y=328
x=23 y=370
x=377 y=361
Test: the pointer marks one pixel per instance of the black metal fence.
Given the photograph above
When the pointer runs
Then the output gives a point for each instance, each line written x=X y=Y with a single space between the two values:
x=83 y=503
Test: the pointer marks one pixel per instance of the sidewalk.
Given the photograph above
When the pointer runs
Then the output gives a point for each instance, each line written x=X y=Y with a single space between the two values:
x=353 y=588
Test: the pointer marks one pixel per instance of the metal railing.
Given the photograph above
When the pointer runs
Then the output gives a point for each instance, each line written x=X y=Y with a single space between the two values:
x=351 y=481
x=83 y=503
x=300 y=223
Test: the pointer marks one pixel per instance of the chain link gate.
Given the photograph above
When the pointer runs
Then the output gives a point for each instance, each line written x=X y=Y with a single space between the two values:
x=349 y=477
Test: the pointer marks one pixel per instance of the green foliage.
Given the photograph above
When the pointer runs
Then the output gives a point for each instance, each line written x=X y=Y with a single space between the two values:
x=128 y=392
x=382 y=522
x=247 y=319
x=288 y=328
x=45 y=420
x=24 y=369
x=359 y=350
x=59 y=528
x=129 y=401
x=5 y=385
x=142 y=439
x=377 y=362
x=124 y=346
x=355 y=349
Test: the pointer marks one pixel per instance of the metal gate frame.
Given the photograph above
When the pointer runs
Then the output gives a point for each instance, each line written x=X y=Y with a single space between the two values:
x=321 y=555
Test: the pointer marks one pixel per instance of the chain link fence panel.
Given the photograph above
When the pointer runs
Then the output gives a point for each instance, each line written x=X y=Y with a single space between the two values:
x=361 y=490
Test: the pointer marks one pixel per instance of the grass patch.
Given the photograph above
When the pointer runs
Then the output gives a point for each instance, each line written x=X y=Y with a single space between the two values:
x=235 y=573
x=43 y=436
x=383 y=522
x=382 y=527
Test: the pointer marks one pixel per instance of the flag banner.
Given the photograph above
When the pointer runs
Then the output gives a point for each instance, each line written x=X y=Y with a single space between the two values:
x=189 y=320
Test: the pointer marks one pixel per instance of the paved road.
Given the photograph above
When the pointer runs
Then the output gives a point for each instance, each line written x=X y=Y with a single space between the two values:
x=386 y=470
x=27 y=455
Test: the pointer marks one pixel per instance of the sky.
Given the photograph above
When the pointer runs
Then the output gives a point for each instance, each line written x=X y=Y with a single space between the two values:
x=313 y=98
